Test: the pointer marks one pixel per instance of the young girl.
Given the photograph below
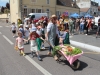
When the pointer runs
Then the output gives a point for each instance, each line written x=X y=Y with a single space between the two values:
x=19 y=43
x=13 y=29
x=65 y=38
x=33 y=43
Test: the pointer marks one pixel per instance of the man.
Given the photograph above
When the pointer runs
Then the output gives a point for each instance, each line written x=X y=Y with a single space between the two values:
x=98 y=29
x=52 y=32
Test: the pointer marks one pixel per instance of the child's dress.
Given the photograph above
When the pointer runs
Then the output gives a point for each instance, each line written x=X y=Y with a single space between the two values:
x=38 y=40
x=20 y=43
x=33 y=43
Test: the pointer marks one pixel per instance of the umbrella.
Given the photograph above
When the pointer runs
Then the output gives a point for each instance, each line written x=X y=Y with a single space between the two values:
x=75 y=15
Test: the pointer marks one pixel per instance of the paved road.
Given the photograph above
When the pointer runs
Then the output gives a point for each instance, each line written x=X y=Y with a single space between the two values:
x=13 y=64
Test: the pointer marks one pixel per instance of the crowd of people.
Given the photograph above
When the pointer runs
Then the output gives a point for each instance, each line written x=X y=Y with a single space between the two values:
x=35 y=32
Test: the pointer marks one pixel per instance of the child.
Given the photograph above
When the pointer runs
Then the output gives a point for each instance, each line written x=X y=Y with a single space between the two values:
x=33 y=43
x=21 y=29
x=65 y=38
x=43 y=35
x=19 y=43
x=13 y=29
x=38 y=40
x=26 y=32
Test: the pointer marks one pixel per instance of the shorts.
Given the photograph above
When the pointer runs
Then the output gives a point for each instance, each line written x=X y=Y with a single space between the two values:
x=14 y=31
x=33 y=45
x=98 y=29
x=20 y=47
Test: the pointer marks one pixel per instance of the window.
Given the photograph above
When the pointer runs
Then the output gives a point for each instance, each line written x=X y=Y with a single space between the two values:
x=33 y=1
x=58 y=13
x=25 y=11
x=38 y=10
x=33 y=10
x=47 y=1
x=48 y=12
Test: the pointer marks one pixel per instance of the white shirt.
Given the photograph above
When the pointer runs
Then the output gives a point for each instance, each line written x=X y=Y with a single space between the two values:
x=39 y=32
x=27 y=33
x=82 y=21
x=13 y=27
x=33 y=25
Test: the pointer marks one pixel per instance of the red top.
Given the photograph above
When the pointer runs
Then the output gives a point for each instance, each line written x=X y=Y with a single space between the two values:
x=34 y=36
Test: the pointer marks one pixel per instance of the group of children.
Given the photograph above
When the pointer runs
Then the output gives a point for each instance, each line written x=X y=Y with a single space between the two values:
x=35 y=35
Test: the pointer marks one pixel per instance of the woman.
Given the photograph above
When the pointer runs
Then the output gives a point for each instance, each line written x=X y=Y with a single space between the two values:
x=82 y=22
x=71 y=26
x=77 y=23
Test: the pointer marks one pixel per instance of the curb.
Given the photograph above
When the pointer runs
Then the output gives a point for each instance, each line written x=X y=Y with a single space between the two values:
x=85 y=46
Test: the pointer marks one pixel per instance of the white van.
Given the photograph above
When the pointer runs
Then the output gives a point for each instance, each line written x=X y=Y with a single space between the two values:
x=35 y=15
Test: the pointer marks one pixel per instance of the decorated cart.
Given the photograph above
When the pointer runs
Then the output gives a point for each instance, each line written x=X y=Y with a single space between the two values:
x=70 y=53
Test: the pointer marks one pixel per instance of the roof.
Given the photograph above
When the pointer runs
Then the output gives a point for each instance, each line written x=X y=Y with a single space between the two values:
x=84 y=9
x=67 y=3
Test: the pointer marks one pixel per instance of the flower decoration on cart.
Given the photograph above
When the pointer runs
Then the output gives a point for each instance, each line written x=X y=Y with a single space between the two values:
x=67 y=49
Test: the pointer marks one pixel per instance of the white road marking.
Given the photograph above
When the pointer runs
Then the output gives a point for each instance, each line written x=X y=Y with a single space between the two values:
x=0 y=33
x=0 y=26
x=45 y=72
x=8 y=40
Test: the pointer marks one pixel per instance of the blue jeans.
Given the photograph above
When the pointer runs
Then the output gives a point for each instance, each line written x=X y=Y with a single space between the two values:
x=81 y=27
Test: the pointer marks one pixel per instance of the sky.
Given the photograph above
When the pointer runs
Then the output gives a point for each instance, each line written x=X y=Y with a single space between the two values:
x=3 y=2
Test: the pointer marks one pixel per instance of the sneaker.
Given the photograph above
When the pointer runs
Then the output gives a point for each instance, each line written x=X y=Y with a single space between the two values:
x=43 y=48
x=39 y=59
x=96 y=37
x=24 y=54
x=32 y=56
x=85 y=34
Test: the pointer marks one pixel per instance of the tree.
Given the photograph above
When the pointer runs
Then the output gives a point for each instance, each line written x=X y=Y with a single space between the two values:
x=6 y=11
x=2 y=9
x=7 y=5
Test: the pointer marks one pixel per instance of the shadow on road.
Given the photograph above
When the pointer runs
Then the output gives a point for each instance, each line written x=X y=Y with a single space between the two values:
x=82 y=65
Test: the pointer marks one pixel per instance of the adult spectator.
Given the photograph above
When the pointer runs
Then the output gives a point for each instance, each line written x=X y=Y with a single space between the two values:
x=98 y=29
x=82 y=22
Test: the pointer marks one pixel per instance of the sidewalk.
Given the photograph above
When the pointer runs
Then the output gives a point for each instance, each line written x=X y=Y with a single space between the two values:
x=86 y=42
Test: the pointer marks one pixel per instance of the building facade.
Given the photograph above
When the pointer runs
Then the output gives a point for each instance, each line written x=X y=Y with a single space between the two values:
x=87 y=7
x=21 y=8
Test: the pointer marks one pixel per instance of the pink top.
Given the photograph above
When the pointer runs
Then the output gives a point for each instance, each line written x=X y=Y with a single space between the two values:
x=20 y=41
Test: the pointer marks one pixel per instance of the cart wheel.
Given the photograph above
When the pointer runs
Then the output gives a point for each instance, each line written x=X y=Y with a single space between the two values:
x=76 y=64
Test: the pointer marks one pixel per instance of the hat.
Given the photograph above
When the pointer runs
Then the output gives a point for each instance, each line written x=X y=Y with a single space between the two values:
x=21 y=24
x=33 y=29
x=53 y=16
x=37 y=23
x=26 y=26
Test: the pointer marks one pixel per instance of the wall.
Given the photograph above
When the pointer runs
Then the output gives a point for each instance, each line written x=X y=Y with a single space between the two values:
x=69 y=9
x=83 y=3
x=3 y=16
x=14 y=10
